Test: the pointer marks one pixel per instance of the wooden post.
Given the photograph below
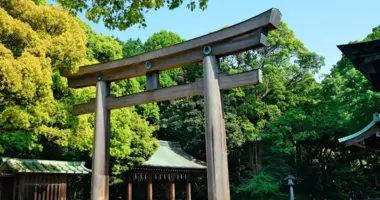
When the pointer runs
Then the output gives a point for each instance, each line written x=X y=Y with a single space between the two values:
x=167 y=190
x=152 y=80
x=64 y=187
x=129 y=187
x=150 y=187
x=172 y=187
x=216 y=150
x=21 y=187
x=100 y=158
x=188 y=187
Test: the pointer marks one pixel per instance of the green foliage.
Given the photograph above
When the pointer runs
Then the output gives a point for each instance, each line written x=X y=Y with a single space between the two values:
x=131 y=135
x=132 y=47
x=289 y=84
x=294 y=120
x=261 y=186
x=182 y=120
x=160 y=40
x=36 y=43
x=122 y=14
x=307 y=135
x=41 y=2
x=100 y=48
x=131 y=141
x=374 y=35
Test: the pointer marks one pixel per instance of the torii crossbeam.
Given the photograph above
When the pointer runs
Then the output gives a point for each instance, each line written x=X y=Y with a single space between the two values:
x=246 y=35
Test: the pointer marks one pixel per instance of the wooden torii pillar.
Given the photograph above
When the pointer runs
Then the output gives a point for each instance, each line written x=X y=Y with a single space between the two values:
x=249 y=34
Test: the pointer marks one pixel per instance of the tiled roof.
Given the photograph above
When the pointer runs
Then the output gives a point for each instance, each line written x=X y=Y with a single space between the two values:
x=365 y=57
x=171 y=155
x=15 y=165
x=370 y=130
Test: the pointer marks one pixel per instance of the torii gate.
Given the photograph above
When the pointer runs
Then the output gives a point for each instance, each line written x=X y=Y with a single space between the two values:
x=249 y=34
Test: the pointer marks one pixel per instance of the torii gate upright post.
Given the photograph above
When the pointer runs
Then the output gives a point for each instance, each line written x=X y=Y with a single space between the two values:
x=250 y=34
x=100 y=162
x=216 y=148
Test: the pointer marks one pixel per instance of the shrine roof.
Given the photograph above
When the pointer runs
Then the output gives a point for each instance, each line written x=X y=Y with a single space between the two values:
x=171 y=155
x=370 y=133
x=365 y=56
x=15 y=165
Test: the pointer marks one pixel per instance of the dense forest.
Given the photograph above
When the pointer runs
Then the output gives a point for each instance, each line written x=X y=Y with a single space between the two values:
x=289 y=124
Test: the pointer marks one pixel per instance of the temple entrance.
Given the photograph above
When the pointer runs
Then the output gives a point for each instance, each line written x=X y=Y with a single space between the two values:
x=250 y=34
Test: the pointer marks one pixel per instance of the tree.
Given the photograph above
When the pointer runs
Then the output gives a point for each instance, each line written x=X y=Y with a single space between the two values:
x=122 y=14
x=349 y=94
x=288 y=70
x=296 y=119
x=100 y=48
x=36 y=42
x=131 y=135
x=132 y=47
x=260 y=187
x=307 y=135
x=41 y=2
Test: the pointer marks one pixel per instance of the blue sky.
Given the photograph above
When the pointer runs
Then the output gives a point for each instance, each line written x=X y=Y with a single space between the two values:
x=320 y=24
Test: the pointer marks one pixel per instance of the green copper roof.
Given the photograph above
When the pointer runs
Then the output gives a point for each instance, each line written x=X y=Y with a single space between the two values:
x=364 y=133
x=171 y=155
x=14 y=165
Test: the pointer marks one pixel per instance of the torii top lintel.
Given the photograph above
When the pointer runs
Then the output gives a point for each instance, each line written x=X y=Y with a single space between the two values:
x=246 y=35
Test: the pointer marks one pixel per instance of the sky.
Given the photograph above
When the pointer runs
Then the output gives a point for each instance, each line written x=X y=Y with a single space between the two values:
x=319 y=24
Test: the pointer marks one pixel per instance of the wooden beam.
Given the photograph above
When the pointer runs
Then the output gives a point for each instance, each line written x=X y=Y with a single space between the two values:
x=163 y=94
x=227 y=82
x=252 y=40
x=269 y=20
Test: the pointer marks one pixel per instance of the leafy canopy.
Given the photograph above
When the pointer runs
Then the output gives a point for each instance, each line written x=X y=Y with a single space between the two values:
x=122 y=14
x=36 y=42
